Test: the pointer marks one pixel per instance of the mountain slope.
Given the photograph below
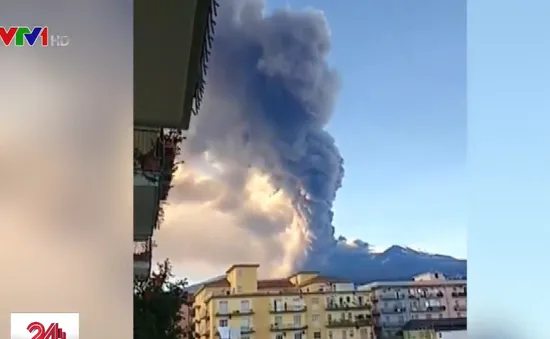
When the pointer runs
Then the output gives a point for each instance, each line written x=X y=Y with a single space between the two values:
x=395 y=263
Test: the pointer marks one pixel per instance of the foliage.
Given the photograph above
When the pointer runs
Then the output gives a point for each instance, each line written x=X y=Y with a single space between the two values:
x=157 y=305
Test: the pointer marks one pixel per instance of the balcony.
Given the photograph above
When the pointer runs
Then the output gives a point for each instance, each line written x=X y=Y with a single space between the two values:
x=459 y=294
x=342 y=323
x=148 y=166
x=247 y=330
x=204 y=316
x=347 y=306
x=287 y=327
x=436 y=295
x=142 y=258
x=391 y=296
x=172 y=42
x=429 y=309
x=461 y=308
x=294 y=309
x=155 y=151
x=227 y=313
x=393 y=310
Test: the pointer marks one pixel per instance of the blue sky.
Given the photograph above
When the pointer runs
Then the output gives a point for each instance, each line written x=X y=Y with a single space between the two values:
x=400 y=121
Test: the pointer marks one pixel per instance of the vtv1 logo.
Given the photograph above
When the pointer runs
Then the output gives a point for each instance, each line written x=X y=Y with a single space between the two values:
x=23 y=35
x=40 y=332
x=45 y=325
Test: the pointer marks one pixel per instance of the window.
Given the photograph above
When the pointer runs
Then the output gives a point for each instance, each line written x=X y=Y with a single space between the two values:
x=316 y=335
x=245 y=306
x=278 y=320
x=315 y=301
x=344 y=334
x=428 y=316
x=297 y=319
x=298 y=335
x=360 y=299
x=348 y=299
x=329 y=317
x=223 y=306
x=223 y=323
x=278 y=336
x=330 y=334
x=245 y=323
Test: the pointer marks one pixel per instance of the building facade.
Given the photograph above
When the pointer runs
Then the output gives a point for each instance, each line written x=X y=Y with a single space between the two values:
x=303 y=306
x=450 y=328
x=428 y=296
x=168 y=89
x=187 y=321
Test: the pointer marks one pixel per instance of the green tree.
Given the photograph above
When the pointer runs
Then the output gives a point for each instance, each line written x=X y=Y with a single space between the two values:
x=158 y=301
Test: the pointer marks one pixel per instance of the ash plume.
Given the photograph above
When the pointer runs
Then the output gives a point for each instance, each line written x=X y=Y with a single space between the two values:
x=269 y=95
x=261 y=172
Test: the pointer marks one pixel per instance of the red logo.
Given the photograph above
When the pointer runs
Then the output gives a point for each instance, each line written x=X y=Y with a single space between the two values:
x=40 y=332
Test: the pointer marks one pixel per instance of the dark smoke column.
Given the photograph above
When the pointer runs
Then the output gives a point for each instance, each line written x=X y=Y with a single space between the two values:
x=271 y=91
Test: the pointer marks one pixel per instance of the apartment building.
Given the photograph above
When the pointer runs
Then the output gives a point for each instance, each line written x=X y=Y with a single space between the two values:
x=187 y=321
x=450 y=328
x=168 y=89
x=305 y=305
x=428 y=296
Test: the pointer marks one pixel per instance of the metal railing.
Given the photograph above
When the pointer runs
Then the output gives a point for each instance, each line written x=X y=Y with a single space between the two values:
x=148 y=152
x=287 y=327
x=348 y=306
x=291 y=309
x=335 y=323
x=143 y=250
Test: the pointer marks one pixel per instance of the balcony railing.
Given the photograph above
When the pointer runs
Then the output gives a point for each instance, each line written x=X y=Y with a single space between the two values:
x=391 y=296
x=225 y=313
x=461 y=308
x=393 y=310
x=148 y=152
x=294 y=309
x=155 y=152
x=459 y=294
x=426 y=295
x=340 y=323
x=429 y=309
x=287 y=327
x=143 y=250
x=347 y=306
x=247 y=330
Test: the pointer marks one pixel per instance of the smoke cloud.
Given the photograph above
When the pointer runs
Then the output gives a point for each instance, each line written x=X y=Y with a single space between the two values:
x=261 y=172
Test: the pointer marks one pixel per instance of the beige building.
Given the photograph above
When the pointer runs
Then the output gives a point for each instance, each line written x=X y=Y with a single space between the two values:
x=187 y=321
x=428 y=296
x=302 y=306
